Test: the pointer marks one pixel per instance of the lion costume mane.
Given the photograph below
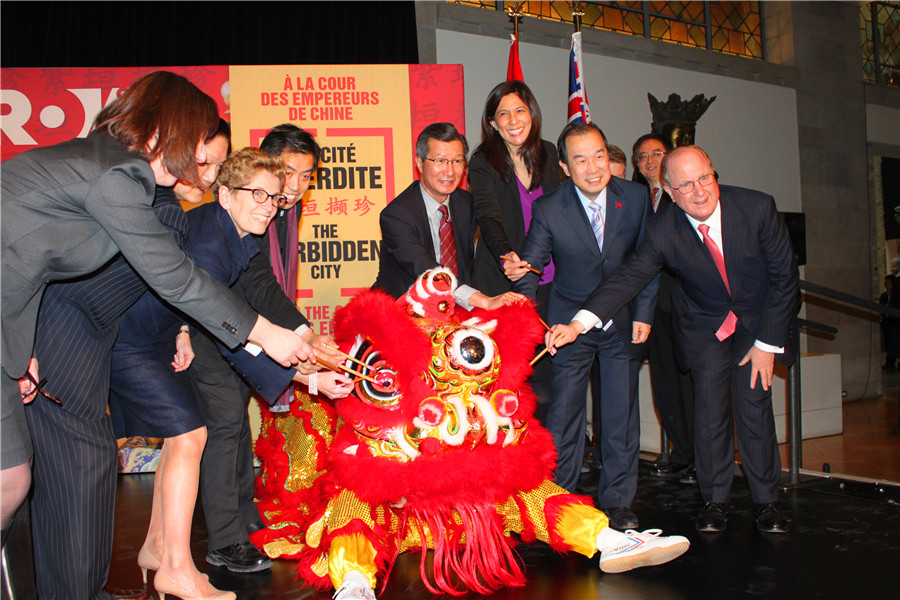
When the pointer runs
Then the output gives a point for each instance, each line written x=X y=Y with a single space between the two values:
x=440 y=450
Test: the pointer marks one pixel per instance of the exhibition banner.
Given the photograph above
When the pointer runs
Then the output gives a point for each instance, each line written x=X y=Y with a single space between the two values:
x=365 y=118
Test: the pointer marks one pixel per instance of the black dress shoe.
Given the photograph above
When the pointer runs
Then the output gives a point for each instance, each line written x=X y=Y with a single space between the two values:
x=242 y=557
x=688 y=476
x=669 y=470
x=712 y=517
x=770 y=519
x=621 y=517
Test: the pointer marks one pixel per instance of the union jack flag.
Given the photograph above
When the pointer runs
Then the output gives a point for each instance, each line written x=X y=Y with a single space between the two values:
x=579 y=111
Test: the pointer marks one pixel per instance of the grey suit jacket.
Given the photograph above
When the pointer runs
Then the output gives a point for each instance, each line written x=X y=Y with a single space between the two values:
x=66 y=211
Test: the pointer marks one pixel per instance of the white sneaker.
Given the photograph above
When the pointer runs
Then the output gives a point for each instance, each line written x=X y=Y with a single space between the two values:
x=354 y=587
x=642 y=550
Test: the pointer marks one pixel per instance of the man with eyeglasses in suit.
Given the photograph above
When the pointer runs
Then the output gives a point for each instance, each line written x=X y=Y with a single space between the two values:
x=432 y=222
x=673 y=392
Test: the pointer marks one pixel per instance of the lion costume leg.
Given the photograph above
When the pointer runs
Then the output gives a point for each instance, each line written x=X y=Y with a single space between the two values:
x=571 y=523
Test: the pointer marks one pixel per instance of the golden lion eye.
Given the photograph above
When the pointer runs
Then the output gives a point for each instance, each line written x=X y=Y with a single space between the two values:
x=472 y=349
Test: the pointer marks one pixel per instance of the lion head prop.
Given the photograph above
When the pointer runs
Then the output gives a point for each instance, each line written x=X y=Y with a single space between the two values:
x=450 y=409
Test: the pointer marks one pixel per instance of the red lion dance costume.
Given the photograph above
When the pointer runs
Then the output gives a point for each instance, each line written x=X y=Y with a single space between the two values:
x=440 y=452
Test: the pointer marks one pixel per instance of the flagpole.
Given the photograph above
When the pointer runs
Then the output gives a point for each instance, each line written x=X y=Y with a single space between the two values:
x=577 y=9
x=577 y=109
x=514 y=68
x=515 y=13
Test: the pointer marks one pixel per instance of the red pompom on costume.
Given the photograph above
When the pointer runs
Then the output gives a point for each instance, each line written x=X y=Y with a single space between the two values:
x=440 y=451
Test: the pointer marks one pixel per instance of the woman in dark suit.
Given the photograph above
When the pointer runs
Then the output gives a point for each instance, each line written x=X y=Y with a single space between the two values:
x=511 y=168
x=152 y=396
x=68 y=209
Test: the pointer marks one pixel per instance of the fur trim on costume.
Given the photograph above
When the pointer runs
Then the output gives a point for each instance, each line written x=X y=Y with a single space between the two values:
x=376 y=316
x=448 y=478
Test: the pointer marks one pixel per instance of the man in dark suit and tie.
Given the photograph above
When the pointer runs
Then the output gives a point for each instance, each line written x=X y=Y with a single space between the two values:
x=590 y=225
x=735 y=297
x=673 y=392
x=432 y=222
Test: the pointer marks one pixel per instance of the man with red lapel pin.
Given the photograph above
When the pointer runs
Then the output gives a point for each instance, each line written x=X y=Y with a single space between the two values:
x=590 y=226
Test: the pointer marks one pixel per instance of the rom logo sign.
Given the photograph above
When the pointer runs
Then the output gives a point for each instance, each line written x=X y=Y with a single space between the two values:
x=73 y=111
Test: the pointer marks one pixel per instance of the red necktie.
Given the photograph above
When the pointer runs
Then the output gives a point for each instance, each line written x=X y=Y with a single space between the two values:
x=728 y=326
x=653 y=192
x=448 y=243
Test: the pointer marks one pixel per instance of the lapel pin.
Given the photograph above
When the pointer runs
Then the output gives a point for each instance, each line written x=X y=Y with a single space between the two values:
x=618 y=205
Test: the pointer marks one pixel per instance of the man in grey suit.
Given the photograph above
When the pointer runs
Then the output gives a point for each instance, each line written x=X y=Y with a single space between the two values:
x=590 y=225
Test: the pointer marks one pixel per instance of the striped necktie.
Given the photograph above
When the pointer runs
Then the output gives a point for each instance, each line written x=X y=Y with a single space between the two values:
x=597 y=224
x=448 y=242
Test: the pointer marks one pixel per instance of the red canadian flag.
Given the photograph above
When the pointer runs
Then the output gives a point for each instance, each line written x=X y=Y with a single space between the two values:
x=514 y=69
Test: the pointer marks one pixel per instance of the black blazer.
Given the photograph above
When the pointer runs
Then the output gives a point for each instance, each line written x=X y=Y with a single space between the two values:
x=407 y=249
x=666 y=281
x=761 y=270
x=216 y=247
x=258 y=285
x=498 y=209
x=561 y=229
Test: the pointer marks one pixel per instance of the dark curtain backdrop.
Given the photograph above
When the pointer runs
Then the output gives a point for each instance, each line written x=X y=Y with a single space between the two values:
x=114 y=34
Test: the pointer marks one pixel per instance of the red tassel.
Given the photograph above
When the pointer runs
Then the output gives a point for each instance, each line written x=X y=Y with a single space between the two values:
x=476 y=553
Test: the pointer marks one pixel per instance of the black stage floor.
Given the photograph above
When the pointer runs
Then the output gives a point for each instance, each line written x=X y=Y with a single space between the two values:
x=844 y=544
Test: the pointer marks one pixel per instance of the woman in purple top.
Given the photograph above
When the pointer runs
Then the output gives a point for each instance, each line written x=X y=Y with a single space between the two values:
x=511 y=168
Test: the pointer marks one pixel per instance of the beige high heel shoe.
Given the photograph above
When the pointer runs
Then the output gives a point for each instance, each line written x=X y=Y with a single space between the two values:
x=164 y=584
x=146 y=560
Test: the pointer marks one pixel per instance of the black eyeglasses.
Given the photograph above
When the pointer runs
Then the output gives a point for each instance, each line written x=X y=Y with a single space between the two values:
x=39 y=389
x=441 y=163
x=262 y=196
